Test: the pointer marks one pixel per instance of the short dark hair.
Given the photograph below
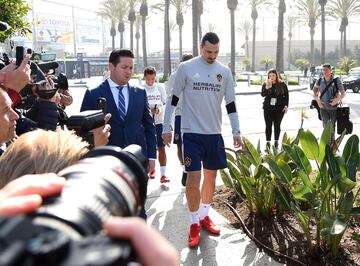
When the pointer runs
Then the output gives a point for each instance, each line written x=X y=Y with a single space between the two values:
x=327 y=66
x=186 y=57
x=149 y=70
x=211 y=37
x=115 y=55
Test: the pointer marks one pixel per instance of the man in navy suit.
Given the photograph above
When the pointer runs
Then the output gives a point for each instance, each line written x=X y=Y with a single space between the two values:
x=131 y=122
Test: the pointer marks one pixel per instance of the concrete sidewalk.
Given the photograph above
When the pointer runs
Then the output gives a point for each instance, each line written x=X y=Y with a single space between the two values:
x=168 y=213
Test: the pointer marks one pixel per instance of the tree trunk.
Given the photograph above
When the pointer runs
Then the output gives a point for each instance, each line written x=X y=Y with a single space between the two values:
x=180 y=43
x=195 y=27
x=253 y=46
x=232 y=64
x=344 y=41
x=341 y=44
x=289 y=55
x=247 y=46
x=132 y=36
x=323 y=33
x=143 y=28
x=121 y=39
x=167 y=64
x=200 y=9
x=312 y=55
x=137 y=52
x=280 y=38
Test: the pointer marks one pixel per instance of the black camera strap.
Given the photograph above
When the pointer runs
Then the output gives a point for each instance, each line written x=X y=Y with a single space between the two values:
x=328 y=86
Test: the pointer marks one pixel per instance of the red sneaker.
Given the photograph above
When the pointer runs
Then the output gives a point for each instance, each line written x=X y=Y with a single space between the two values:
x=152 y=175
x=194 y=235
x=207 y=224
x=164 y=179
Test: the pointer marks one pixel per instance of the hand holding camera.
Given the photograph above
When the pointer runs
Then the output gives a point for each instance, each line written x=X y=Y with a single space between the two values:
x=14 y=77
x=66 y=230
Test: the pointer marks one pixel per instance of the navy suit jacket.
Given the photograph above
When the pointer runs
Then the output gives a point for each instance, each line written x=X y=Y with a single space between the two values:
x=138 y=126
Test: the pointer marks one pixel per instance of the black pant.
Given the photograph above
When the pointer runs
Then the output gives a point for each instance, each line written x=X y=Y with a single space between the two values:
x=273 y=117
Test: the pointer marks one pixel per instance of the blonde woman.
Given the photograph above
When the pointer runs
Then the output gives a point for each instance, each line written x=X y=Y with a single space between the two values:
x=39 y=152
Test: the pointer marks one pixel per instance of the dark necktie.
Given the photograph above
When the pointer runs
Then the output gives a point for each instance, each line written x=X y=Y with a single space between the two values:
x=121 y=102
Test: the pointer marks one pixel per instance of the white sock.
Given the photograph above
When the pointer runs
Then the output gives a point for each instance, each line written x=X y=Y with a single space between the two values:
x=195 y=217
x=162 y=170
x=183 y=167
x=204 y=210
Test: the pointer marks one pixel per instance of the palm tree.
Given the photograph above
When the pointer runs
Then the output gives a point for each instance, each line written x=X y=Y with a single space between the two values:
x=144 y=12
x=309 y=11
x=121 y=9
x=167 y=58
x=232 y=4
x=347 y=63
x=132 y=18
x=107 y=11
x=246 y=62
x=290 y=23
x=195 y=21
x=280 y=38
x=344 y=9
x=245 y=27
x=180 y=6
x=302 y=63
x=322 y=5
x=341 y=29
x=266 y=62
x=255 y=4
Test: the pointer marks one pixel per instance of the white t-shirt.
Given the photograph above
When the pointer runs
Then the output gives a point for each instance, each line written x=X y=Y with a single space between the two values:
x=156 y=96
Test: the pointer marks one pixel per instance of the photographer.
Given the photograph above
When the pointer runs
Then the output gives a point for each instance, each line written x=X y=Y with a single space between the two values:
x=25 y=195
x=328 y=93
x=8 y=119
x=55 y=150
x=13 y=79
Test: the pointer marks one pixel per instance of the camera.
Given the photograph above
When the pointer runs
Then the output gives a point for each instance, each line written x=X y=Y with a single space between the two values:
x=66 y=230
x=38 y=73
x=314 y=104
x=84 y=122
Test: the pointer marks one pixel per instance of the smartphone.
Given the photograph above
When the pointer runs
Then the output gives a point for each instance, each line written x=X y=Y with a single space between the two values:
x=20 y=53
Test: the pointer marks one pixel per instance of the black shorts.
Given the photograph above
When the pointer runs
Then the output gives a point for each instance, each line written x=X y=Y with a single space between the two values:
x=159 y=140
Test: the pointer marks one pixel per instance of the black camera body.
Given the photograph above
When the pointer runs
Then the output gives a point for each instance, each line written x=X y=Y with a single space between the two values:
x=67 y=229
x=84 y=122
x=26 y=243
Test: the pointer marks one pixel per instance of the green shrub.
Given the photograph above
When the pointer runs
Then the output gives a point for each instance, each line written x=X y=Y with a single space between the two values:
x=163 y=79
x=136 y=76
x=242 y=78
x=293 y=82
x=256 y=82
x=306 y=177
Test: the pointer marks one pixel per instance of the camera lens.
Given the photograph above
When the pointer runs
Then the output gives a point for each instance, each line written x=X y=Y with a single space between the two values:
x=107 y=182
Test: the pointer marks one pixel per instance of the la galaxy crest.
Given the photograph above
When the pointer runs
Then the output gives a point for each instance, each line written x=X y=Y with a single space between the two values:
x=219 y=77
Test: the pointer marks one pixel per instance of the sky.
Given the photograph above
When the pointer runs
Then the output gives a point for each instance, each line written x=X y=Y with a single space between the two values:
x=217 y=14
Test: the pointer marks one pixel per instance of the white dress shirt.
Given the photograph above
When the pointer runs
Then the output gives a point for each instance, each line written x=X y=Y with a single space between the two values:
x=115 y=93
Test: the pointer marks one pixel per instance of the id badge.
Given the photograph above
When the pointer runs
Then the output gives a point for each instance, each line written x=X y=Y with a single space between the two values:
x=273 y=101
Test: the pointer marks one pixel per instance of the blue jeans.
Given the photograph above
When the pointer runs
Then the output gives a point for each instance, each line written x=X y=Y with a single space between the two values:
x=327 y=115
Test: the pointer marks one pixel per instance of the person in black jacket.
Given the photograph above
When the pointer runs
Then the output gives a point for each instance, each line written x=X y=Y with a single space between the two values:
x=275 y=105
